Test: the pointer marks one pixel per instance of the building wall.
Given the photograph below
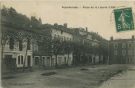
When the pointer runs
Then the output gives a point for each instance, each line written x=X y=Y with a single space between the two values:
x=64 y=59
x=15 y=53
x=50 y=61
x=61 y=34
x=47 y=61
x=65 y=36
x=90 y=56
x=122 y=51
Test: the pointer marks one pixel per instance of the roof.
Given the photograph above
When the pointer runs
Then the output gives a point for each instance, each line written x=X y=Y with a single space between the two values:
x=122 y=40
x=57 y=27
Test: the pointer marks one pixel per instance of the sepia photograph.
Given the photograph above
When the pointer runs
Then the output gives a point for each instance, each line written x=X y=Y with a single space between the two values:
x=67 y=44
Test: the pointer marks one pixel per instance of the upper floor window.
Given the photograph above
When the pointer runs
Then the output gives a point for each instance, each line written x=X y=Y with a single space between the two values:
x=130 y=52
x=115 y=45
x=35 y=47
x=123 y=45
x=115 y=52
x=123 y=52
x=11 y=43
x=28 y=44
x=129 y=45
x=20 y=45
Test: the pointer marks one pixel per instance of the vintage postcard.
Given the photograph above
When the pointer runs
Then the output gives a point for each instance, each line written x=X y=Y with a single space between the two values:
x=67 y=44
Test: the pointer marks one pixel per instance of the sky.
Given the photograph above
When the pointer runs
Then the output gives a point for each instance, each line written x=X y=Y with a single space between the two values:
x=100 y=20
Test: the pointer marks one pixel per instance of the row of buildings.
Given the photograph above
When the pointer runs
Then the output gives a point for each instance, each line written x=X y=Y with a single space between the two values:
x=56 y=45
x=87 y=50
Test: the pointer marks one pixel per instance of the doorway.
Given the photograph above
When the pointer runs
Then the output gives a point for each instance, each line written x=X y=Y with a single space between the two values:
x=9 y=63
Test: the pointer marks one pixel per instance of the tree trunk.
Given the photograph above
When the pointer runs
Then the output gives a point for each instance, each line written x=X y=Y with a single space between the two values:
x=25 y=56
x=51 y=61
x=108 y=60
x=2 y=52
x=2 y=49
x=68 y=59
x=56 y=64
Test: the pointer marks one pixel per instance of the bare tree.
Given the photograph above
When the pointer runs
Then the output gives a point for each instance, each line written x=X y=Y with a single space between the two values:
x=57 y=48
x=68 y=49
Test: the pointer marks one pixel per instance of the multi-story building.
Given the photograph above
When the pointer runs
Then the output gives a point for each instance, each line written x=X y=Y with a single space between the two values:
x=46 y=45
x=122 y=51
x=51 y=53
x=17 y=53
x=88 y=47
x=63 y=34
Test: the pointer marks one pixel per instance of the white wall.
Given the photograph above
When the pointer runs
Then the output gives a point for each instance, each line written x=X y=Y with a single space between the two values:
x=15 y=52
x=61 y=58
x=63 y=34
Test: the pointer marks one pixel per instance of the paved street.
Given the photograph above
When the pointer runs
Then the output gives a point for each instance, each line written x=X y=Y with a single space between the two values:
x=124 y=80
x=75 y=77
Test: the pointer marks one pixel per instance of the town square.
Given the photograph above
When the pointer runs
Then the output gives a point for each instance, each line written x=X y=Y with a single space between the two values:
x=46 y=44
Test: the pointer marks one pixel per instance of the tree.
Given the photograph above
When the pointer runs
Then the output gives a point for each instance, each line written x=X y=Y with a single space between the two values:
x=68 y=48
x=57 y=48
x=14 y=19
x=3 y=41
x=16 y=26
x=77 y=51
x=8 y=35
x=35 y=22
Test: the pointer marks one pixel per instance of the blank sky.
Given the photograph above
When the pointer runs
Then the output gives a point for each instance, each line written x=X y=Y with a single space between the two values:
x=97 y=20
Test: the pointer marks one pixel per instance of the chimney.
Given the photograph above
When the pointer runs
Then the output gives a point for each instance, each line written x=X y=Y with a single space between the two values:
x=65 y=25
x=55 y=24
x=133 y=37
x=86 y=29
x=111 y=38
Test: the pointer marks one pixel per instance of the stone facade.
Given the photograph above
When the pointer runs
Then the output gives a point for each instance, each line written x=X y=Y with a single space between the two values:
x=14 y=55
x=48 y=59
x=122 y=51
x=89 y=43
